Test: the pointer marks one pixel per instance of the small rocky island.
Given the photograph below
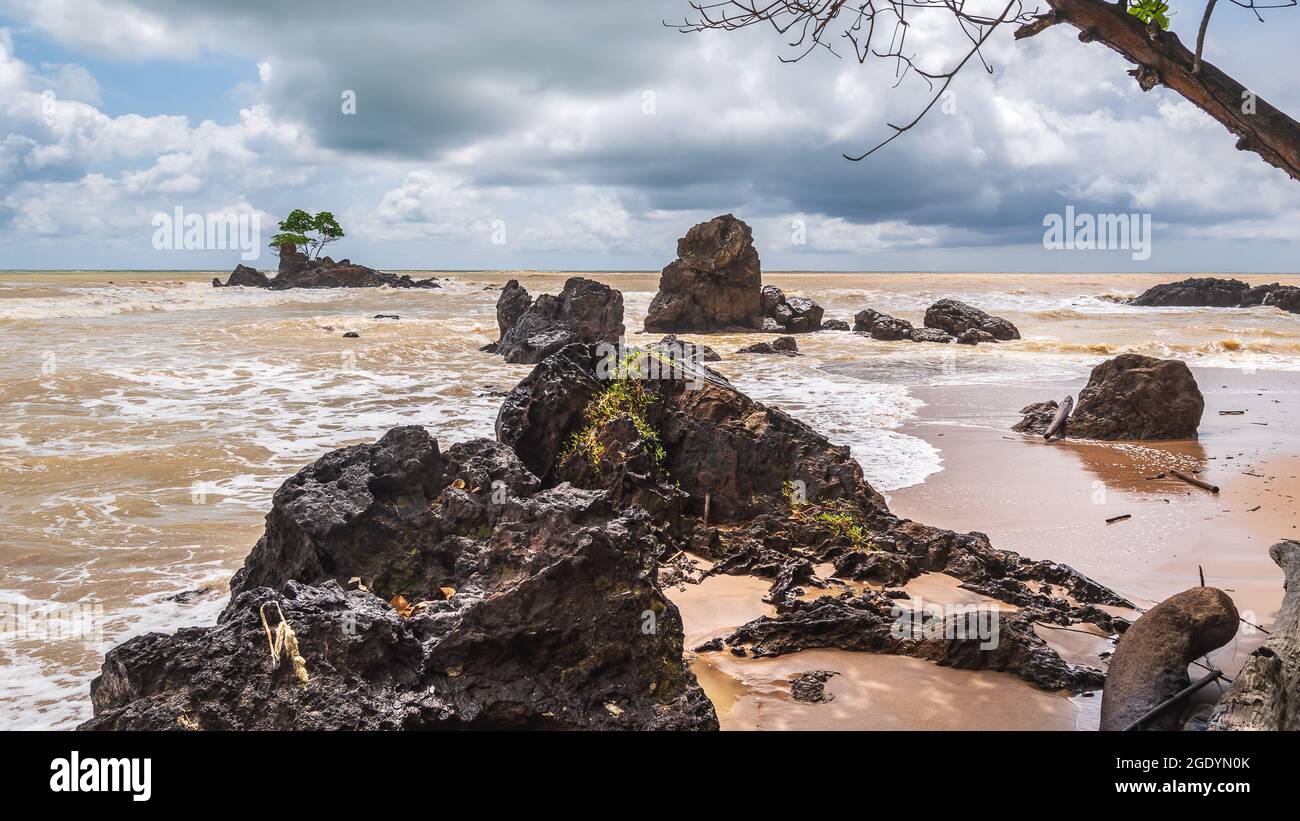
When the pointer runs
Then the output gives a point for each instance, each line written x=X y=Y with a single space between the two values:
x=296 y=270
x=1214 y=292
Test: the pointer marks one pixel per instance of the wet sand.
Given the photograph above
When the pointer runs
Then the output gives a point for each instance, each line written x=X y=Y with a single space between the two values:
x=1052 y=500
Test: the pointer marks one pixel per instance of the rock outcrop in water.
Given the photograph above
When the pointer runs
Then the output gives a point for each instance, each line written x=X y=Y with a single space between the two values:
x=583 y=311
x=297 y=271
x=1150 y=663
x=714 y=284
x=1130 y=397
x=796 y=314
x=891 y=329
x=1213 y=292
x=956 y=318
x=782 y=345
x=513 y=584
x=531 y=608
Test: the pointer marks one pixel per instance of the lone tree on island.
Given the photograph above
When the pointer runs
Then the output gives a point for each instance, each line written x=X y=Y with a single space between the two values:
x=1137 y=29
x=307 y=231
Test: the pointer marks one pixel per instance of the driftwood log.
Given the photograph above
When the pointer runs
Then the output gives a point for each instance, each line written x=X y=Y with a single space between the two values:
x=1265 y=695
x=1150 y=663
x=1059 y=421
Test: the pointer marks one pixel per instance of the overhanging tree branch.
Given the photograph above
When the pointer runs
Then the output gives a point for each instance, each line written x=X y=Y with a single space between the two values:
x=1162 y=59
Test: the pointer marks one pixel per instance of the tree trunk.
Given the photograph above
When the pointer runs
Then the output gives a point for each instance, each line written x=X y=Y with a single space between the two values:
x=1162 y=59
x=1266 y=693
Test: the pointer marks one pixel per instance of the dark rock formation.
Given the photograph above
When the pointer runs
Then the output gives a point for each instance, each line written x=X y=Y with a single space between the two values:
x=689 y=350
x=1150 y=663
x=527 y=571
x=864 y=320
x=512 y=303
x=835 y=325
x=1138 y=397
x=1037 y=417
x=796 y=314
x=531 y=609
x=297 y=271
x=1128 y=397
x=714 y=285
x=931 y=335
x=781 y=499
x=810 y=687
x=243 y=275
x=974 y=336
x=889 y=329
x=1213 y=292
x=957 y=317
x=1286 y=297
x=784 y=345
x=1197 y=292
x=583 y=311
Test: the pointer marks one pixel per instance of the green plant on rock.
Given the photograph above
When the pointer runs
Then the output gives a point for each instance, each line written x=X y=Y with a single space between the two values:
x=624 y=395
x=837 y=515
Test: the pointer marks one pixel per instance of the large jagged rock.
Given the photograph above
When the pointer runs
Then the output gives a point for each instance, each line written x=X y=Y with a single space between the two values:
x=955 y=318
x=533 y=609
x=1150 y=663
x=781 y=499
x=1210 y=292
x=714 y=284
x=583 y=311
x=511 y=305
x=1138 y=397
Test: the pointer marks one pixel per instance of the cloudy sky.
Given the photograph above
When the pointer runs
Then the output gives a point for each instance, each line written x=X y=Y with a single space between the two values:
x=592 y=136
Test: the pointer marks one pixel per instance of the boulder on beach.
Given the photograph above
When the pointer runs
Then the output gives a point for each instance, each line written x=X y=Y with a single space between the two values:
x=1130 y=397
x=714 y=284
x=1150 y=663
x=479 y=601
x=956 y=318
x=1138 y=397
x=835 y=325
x=583 y=311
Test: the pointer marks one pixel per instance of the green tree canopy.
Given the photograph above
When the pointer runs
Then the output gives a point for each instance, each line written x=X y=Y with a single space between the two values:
x=308 y=231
